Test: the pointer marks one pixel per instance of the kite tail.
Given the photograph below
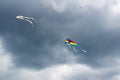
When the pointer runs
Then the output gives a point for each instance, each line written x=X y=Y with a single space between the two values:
x=79 y=49
x=75 y=49
x=83 y=50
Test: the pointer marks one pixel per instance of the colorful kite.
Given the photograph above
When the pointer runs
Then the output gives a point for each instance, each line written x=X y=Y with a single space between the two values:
x=73 y=44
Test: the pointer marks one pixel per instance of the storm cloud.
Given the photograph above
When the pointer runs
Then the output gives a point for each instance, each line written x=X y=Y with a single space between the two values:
x=95 y=27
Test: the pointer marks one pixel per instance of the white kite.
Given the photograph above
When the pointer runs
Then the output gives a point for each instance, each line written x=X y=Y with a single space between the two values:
x=29 y=19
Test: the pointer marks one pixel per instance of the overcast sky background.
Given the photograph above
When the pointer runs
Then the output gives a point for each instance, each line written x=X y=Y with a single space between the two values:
x=39 y=52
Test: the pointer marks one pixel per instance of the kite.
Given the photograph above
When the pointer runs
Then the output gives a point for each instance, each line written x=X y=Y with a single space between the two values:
x=73 y=44
x=29 y=19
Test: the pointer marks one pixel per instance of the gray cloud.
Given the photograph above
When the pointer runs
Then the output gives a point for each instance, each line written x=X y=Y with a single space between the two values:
x=93 y=28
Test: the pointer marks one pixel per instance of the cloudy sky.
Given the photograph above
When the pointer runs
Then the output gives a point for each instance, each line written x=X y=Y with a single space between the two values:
x=39 y=52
